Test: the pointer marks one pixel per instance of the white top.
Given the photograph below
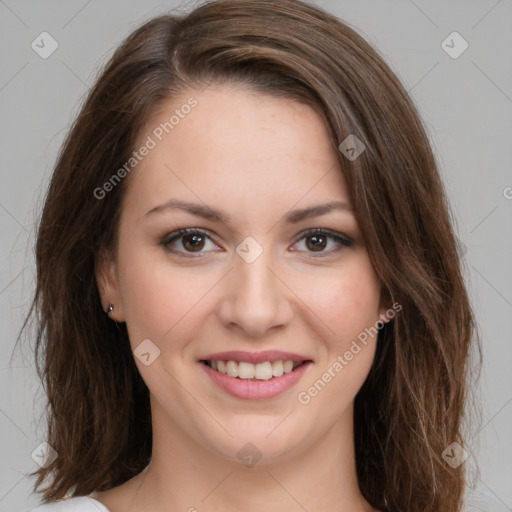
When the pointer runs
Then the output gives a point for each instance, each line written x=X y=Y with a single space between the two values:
x=78 y=504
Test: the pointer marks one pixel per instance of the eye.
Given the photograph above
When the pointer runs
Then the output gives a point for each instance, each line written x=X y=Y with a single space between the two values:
x=191 y=240
x=317 y=239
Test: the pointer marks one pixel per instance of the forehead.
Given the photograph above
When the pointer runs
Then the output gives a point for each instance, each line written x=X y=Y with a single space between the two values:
x=230 y=145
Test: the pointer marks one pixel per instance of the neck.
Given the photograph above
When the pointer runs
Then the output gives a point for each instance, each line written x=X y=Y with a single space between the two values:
x=184 y=475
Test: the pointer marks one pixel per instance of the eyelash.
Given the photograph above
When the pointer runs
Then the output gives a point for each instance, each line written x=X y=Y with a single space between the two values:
x=176 y=235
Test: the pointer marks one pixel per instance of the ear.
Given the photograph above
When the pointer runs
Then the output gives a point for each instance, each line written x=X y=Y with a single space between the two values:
x=108 y=286
x=386 y=307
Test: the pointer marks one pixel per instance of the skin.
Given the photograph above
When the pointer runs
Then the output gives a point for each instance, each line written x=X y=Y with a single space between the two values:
x=256 y=158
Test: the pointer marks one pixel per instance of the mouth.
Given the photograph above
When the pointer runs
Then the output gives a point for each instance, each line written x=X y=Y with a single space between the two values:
x=254 y=376
x=245 y=370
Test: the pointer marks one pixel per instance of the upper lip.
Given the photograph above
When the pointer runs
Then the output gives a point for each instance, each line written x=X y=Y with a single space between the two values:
x=255 y=357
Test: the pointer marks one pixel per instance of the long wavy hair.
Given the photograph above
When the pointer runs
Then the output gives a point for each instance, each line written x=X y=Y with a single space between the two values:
x=413 y=403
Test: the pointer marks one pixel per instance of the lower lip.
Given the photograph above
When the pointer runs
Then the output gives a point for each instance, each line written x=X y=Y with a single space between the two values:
x=256 y=389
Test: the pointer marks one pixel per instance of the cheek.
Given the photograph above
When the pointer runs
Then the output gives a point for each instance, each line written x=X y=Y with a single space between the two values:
x=349 y=309
x=161 y=300
x=346 y=301
x=155 y=295
x=356 y=306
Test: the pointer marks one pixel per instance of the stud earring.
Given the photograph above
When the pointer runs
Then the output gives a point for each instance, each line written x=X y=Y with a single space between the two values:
x=109 y=309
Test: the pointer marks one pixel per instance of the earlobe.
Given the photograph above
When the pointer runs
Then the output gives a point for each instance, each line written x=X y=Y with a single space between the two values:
x=108 y=287
x=384 y=315
x=386 y=309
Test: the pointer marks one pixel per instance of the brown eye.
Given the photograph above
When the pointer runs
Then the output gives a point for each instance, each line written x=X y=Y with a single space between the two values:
x=193 y=242
x=316 y=241
x=186 y=241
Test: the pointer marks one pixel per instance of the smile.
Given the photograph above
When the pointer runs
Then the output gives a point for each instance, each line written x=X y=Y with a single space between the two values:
x=255 y=376
x=261 y=371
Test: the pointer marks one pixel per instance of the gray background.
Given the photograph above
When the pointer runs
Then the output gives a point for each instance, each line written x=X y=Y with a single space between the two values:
x=467 y=106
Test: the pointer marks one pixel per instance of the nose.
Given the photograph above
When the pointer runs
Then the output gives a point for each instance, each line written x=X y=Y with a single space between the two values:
x=255 y=298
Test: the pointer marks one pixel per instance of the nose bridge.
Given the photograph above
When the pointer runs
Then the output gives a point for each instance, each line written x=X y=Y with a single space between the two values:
x=256 y=299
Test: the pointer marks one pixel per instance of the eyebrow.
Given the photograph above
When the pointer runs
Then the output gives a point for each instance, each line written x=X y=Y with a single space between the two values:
x=206 y=212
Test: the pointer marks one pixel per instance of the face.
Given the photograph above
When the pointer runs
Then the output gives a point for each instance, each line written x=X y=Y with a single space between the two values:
x=264 y=273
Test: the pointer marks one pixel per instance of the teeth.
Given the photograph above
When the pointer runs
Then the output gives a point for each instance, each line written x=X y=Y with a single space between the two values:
x=260 y=371
x=246 y=370
x=288 y=366
x=263 y=371
x=277 y=368
x=232 y=369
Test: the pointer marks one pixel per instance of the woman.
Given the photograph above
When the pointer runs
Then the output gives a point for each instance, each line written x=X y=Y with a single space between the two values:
x=248 y=292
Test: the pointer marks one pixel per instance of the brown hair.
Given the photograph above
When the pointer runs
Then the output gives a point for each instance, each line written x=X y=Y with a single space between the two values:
x=411 y=406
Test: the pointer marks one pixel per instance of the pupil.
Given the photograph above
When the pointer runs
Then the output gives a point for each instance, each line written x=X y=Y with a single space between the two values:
x=197 y=240
x=315 y=244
